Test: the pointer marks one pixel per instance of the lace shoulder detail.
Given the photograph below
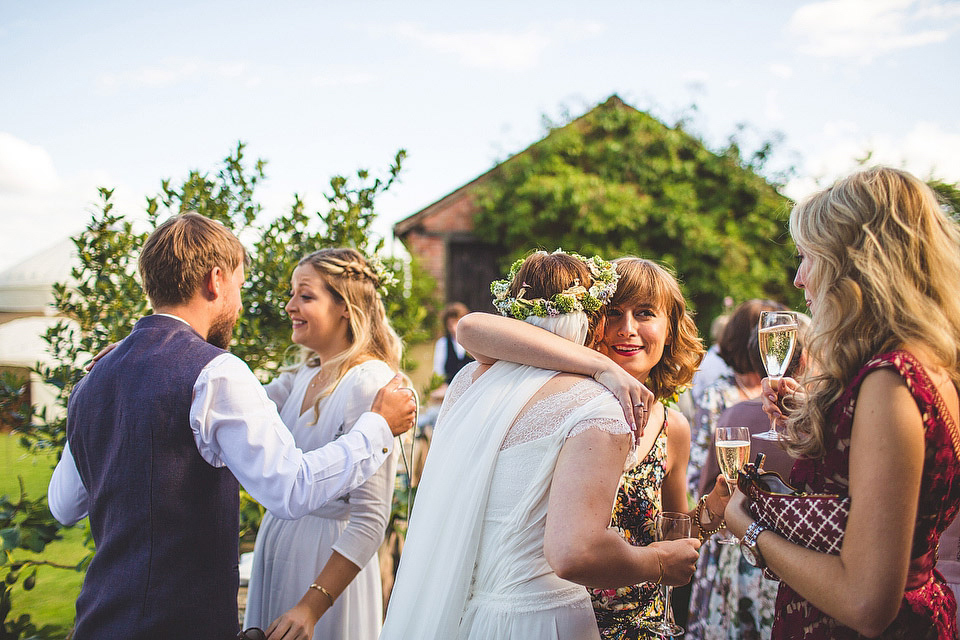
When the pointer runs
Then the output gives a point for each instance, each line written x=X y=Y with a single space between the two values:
x=547 y=414
x=458 y=386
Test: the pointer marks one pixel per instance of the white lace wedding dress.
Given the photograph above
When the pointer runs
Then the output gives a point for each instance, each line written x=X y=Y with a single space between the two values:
x=473 y=566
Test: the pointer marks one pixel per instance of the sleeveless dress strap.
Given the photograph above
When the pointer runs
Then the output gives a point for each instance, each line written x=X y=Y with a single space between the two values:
x=920 y=385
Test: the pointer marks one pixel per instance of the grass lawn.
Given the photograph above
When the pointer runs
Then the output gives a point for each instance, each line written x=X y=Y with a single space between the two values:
x=52 y=600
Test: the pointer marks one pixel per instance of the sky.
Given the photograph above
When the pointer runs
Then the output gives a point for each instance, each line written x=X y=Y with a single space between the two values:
x=123 y=95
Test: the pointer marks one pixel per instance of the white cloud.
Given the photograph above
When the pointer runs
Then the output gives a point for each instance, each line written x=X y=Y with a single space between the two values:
x=780 y=70
x=343 y=80
x=516 y=50
x=771 y=107
x=927 y=150
x=24 y=167
x=39 y=208
x=866 y=29
x=174 y=71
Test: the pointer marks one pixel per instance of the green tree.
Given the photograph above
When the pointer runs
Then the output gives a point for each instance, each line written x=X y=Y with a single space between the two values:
x=619 y=182
x=104 y=300
x=949 y=194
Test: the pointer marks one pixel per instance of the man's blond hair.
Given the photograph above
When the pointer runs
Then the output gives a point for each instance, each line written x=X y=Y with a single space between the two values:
x=180 y=253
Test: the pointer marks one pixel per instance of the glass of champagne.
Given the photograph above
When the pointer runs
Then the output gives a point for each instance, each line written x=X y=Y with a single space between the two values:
x=733 y=451
x=670 y=526
x=777 y=335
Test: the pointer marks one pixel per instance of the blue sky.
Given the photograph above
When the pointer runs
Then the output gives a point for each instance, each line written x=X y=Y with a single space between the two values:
x=124 y=94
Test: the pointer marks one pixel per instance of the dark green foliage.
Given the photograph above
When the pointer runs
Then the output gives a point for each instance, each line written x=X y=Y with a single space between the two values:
x=619 y=182
x=949 y=195
x=25 y=525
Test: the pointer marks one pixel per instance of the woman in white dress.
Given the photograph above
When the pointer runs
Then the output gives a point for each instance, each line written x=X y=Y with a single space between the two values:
x=514 y=504
x=319 y=577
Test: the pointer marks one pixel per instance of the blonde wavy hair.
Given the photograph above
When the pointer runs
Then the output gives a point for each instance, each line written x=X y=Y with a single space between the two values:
x=646 y=282
x=350 y=280
x=885 y=259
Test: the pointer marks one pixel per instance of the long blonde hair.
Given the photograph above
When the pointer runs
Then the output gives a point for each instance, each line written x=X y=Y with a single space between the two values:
x=350 y=280
x=886 y=259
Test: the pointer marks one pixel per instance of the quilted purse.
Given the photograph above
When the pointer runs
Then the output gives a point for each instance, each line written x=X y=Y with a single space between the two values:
x=814 y=521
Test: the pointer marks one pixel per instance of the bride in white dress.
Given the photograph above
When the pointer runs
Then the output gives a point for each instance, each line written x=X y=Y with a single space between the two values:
x=318 y=577
x=514 y=503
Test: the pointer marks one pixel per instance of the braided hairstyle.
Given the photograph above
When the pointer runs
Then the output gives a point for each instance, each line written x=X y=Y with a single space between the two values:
x=350 y=280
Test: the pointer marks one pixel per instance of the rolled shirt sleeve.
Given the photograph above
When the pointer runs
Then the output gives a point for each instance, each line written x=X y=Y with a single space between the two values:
x=236 y=425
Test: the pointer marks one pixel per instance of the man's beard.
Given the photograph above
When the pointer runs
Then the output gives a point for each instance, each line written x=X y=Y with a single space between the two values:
x=221 y=331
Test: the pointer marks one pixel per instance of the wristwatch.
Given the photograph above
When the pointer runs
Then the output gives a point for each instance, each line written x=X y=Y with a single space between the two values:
x=748 y=544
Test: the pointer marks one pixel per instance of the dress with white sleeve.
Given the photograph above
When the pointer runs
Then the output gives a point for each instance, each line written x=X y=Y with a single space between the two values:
x=289 y=554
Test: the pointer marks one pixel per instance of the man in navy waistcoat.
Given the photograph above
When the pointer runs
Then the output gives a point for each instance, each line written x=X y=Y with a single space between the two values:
x=160 y=432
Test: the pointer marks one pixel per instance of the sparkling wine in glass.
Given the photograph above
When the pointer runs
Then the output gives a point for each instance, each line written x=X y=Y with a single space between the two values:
x=670 y=526
x=777 y=335
x=733 y=451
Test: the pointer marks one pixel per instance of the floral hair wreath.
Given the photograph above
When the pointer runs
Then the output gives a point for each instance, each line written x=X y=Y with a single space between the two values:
x=603 y=284
x=386 y=278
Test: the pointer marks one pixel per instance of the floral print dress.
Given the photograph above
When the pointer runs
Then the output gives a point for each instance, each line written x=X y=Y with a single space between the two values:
x=624 y=613
x=730 y=599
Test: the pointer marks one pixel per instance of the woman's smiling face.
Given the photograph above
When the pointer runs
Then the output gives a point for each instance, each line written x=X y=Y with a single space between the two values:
x=319 y=320
x=635 y=336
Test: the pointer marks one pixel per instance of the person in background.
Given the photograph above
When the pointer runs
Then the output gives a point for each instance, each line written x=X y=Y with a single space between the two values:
x=711 y=367
x=448 y=356
x=731 y=599
x=749 y=413
x=161 y=430
x=948 y=563
x=875 y=417
x=742 y=383
x=319 y=576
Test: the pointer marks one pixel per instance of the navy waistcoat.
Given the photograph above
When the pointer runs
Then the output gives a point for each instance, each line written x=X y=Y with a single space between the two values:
x=454 y=363
x=165 y=522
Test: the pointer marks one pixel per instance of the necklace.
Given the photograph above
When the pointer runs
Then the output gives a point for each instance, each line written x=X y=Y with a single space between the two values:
x=745 y=391
x=316 y=377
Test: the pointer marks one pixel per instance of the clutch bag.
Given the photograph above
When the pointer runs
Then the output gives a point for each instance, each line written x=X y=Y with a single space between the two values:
x=814 y=521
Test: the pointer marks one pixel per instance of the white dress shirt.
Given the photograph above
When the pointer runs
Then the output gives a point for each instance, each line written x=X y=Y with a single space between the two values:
x=235 y=425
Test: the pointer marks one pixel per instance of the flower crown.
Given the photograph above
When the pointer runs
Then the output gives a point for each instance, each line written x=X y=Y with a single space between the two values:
x=603 y=284
x=386 y=278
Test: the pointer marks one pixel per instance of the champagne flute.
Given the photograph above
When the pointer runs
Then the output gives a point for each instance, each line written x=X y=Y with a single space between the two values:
x=733 y=451
x=777 y=335
x=670 y=526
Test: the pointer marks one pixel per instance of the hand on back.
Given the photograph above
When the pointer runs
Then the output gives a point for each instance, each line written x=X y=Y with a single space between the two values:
x=635 y=399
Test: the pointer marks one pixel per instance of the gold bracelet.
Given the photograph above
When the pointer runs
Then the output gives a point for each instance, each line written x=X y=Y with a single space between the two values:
x=704 y=532
x=323 y=591
x=659 y=562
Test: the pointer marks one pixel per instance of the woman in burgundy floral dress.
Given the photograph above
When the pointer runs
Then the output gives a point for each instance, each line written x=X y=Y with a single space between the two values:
x=876 y=417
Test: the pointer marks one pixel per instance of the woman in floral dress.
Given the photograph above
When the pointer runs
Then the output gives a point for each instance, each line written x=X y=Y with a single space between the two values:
x=875 y=418
x=729 y=599
x=650 y=335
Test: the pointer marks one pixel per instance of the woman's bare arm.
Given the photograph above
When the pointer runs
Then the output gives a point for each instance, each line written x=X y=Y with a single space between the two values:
x=490 y=337
x=579 y=544
x=298 y=622
x=674 y=489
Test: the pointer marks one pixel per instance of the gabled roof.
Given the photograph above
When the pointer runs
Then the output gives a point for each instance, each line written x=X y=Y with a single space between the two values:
x=403 y=227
